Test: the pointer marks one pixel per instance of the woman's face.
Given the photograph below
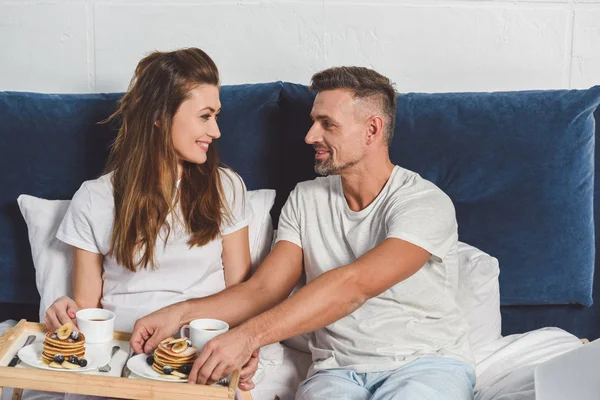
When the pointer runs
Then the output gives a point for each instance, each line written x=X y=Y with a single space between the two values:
x=195 y=124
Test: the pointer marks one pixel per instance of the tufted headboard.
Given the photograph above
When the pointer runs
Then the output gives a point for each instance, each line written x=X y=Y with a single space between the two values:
x=519 y=166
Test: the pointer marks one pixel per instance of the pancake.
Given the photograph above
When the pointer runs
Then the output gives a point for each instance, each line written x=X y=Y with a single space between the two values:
x=174 y=358
x=173 y=364
x=52 y=339
x=189 y=351
x=51 y=355
x=168 y=358
x=65 y=353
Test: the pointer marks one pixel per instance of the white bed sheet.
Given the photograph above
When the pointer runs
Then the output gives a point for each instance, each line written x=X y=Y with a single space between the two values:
x=504 y=367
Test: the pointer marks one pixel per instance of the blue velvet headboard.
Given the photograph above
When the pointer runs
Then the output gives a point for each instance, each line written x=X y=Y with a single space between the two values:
x=519 y=167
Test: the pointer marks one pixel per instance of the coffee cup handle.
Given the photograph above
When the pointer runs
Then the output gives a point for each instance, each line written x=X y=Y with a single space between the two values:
x=182 y=331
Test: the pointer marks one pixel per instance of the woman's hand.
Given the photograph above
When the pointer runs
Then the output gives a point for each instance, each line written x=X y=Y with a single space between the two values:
x=150 y=330
x=61 y=312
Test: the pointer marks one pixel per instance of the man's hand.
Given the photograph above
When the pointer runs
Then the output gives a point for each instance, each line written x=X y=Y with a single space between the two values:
x=223 y=355
x=61 y=312
x=248 y=371
x=150 y=330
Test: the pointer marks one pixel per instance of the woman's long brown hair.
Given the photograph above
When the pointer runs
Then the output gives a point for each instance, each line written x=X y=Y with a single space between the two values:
x=144 y=162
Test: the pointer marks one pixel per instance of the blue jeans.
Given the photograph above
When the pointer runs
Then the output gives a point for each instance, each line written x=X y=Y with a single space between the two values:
x=422 y=379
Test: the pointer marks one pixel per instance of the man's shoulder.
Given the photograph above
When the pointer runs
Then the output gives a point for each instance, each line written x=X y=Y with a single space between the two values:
x=316 y=186
x=411 y=186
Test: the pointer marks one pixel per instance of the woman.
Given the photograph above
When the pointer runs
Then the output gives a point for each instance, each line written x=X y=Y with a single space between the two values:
x=165 y=223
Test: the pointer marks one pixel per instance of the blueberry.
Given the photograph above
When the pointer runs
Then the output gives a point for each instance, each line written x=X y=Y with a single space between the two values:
x=150 y=360
x=167 y=370
x=185 y=369
x=74 y=360
x=59 y=358
x=189 y=343
x=75 y=335
x=82 y=362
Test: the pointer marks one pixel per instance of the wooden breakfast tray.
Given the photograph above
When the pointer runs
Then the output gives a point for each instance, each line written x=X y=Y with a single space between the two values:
x=96 y=385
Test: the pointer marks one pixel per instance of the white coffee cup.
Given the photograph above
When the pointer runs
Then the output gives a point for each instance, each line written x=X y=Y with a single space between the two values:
x=97 y=324
x=201 y=331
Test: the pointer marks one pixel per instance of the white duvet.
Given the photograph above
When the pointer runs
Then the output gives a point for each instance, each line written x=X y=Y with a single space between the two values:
x=504 y=367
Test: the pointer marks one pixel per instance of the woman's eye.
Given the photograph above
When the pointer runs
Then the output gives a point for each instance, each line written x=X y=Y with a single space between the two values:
x=205 y=117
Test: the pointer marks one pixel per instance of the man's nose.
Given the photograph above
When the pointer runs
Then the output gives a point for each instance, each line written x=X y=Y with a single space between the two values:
x=313 y=136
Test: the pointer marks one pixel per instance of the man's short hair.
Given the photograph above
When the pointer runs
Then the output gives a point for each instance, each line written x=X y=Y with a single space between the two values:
x=364 y=83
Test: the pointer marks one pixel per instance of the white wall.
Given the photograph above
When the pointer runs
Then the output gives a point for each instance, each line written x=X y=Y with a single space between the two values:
x=423 y=45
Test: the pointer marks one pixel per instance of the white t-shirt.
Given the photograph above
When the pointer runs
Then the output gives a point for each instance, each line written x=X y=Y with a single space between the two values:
x=182 y=273
x=415 y=318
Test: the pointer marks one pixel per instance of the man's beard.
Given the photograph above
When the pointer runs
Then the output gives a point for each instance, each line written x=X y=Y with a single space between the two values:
x=327 y=167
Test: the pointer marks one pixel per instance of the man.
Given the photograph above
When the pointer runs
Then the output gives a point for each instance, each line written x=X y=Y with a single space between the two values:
x=378 y=244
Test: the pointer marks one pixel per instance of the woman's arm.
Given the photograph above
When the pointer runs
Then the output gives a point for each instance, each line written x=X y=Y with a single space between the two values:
x=236 y=257
x=87 y=289
x=87 y=278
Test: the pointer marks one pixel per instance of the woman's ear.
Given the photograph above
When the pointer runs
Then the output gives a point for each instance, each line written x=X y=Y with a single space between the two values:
x=157 y=123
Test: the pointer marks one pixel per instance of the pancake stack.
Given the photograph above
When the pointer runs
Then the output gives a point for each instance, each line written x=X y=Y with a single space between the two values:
x=64 y=348
x=174 y=358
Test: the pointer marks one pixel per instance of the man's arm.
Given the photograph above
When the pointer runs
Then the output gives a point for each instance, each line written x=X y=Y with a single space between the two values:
x=328 y=298
x=339 y=292
x=273 y=282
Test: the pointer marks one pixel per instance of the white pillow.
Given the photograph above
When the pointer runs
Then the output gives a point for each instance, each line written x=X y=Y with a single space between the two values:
x=478 y=298
x=260 y=231
x=52 y=258
x=479 y=294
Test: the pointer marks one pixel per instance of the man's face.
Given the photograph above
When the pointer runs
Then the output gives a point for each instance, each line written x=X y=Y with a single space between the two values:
x=337 y=133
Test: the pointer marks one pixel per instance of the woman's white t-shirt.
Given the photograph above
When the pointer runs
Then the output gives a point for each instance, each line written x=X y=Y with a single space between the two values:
x=182 y=272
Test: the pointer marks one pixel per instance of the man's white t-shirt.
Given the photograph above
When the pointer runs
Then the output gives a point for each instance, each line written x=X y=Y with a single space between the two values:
x=182 y=272
x=415 y=318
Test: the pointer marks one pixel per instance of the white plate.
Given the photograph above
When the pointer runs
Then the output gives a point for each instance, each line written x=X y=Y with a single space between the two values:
x=138 y=365
x=32 y=355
